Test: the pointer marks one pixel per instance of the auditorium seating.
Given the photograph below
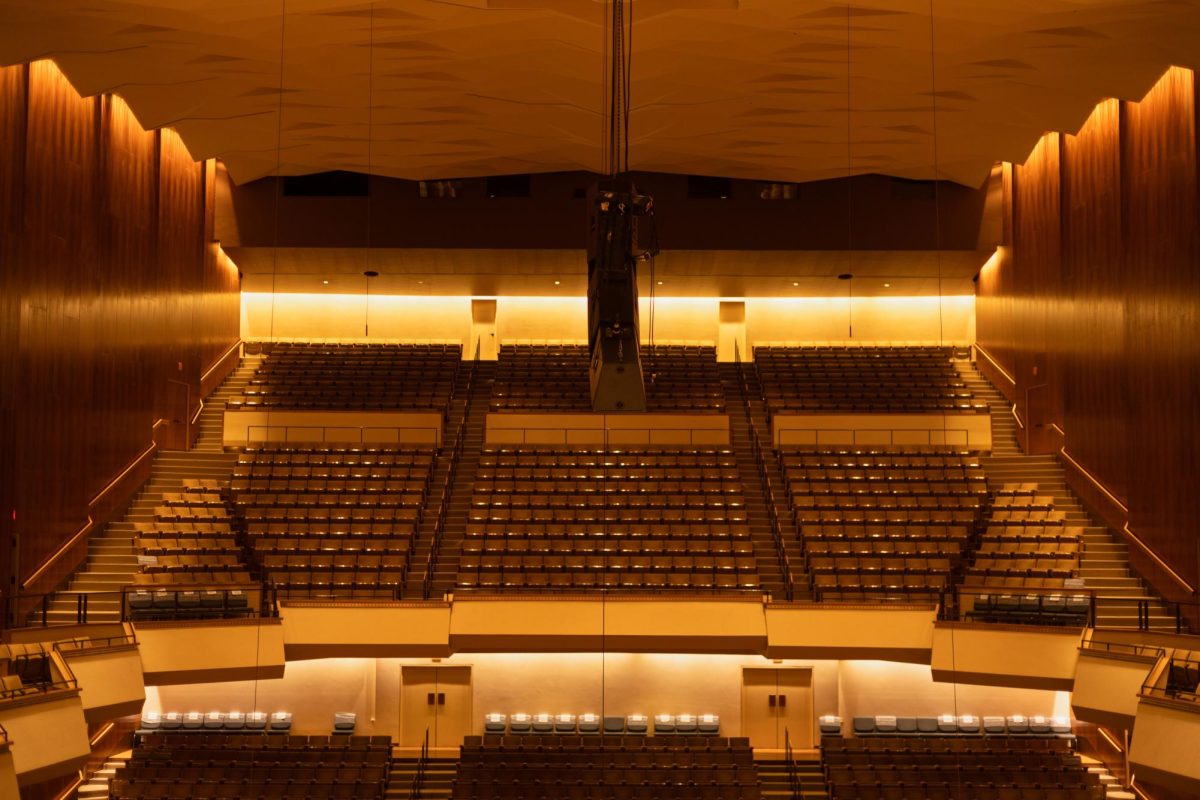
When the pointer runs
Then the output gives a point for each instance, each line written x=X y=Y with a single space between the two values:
x=592 y=724
x=956 y=768
x=1025 y=566
x=862 y=379
x=571 y=519
x=352 y=377
x=24 y=669
x=555 y=378
x=256 y=765
x=191 y=540
x=575 y=767
x=883 y=524
x=329 y=521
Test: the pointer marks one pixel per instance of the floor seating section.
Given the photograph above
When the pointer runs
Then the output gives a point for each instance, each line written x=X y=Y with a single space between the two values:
x=924 y=768
x=327 y=521
x=862 y=379
x=606 y=768
x=555 y=378
x=884 y=524
x=573 y=519
x=353 y=377
x=192 y=541
x=220 y=765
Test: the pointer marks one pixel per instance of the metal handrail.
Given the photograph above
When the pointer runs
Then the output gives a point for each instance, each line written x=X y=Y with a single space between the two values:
x=456 y=452
x=764 y=479
x=790 y=760
x=418 y=781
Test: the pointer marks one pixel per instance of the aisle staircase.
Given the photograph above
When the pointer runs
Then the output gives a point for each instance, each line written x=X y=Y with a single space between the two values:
x=475 y=408
x=1121 y=596
x=769 y=566
x=438 y=781
x=776 y=782
x=96 y=787
x=212 y=416
x=112 y=560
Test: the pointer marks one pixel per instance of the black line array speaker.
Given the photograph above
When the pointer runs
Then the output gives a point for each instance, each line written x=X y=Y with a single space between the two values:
x=620 y=223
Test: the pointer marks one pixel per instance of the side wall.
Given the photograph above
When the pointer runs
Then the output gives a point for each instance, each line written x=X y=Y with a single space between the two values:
x=114 y=303
x=1090 y=308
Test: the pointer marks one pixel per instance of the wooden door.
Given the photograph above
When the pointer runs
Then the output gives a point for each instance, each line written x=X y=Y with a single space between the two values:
x=437 y=700
x=794 y=707
x=453 y=706
x=758 y=709
x=776 y=702
x=418 y=707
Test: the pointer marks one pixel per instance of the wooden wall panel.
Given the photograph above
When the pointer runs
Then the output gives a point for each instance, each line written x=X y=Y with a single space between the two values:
x=118 y=298
x=1037 y=250
x=1091 y=310
x=12 y=172
x=59 y=256
x=1163 y=289
x=1113 y=305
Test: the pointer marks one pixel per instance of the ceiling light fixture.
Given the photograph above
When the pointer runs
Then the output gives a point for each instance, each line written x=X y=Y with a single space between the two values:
x=325 y=282
x=795 y=283
x=556 y=283
x=887 y=286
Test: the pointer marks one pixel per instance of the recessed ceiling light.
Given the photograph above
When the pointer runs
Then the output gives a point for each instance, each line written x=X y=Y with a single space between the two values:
x=556 y=283
x=660 y=283
x=420 y=281
x=887 y=286
x=795 y=283
x=325 y=282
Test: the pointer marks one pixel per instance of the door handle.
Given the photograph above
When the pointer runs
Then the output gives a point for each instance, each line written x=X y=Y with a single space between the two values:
x=770 y=701
x=441 y=698
x=429 y=698
x=782 y=700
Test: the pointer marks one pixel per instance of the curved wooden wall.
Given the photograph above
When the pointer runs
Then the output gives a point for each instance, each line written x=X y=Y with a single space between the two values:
x=1091 y=309
x=114 y=302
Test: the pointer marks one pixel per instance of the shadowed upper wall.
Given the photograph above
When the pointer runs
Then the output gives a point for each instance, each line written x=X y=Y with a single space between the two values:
x=114 y=301
x=1089 y=316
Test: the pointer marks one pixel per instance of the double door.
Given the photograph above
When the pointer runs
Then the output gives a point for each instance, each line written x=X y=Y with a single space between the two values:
x=777 y=705
x=437 y=700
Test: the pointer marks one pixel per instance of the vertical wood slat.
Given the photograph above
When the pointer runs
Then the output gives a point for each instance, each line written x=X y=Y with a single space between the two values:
x=115 y=292
x=1113 y=304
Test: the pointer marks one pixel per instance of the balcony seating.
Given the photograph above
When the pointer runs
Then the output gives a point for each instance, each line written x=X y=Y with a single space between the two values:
x=332 y=522
x=555 y=378
x=560 y=519
x=352 y=377
x=862 y=380
x=1026 y=546
x=883 y=524
x=192 y=541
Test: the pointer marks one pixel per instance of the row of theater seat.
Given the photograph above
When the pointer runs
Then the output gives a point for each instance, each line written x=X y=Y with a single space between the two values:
x=950 y=725
x=637 y=726
x=1005 y=766
x=610 y=767
x=878 y=379
x=251 y=764
x=556 y=378
x=191 y=603
x=353 y=377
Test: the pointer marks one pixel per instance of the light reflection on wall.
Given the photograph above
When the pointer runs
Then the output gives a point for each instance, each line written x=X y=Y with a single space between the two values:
x=834 y=320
